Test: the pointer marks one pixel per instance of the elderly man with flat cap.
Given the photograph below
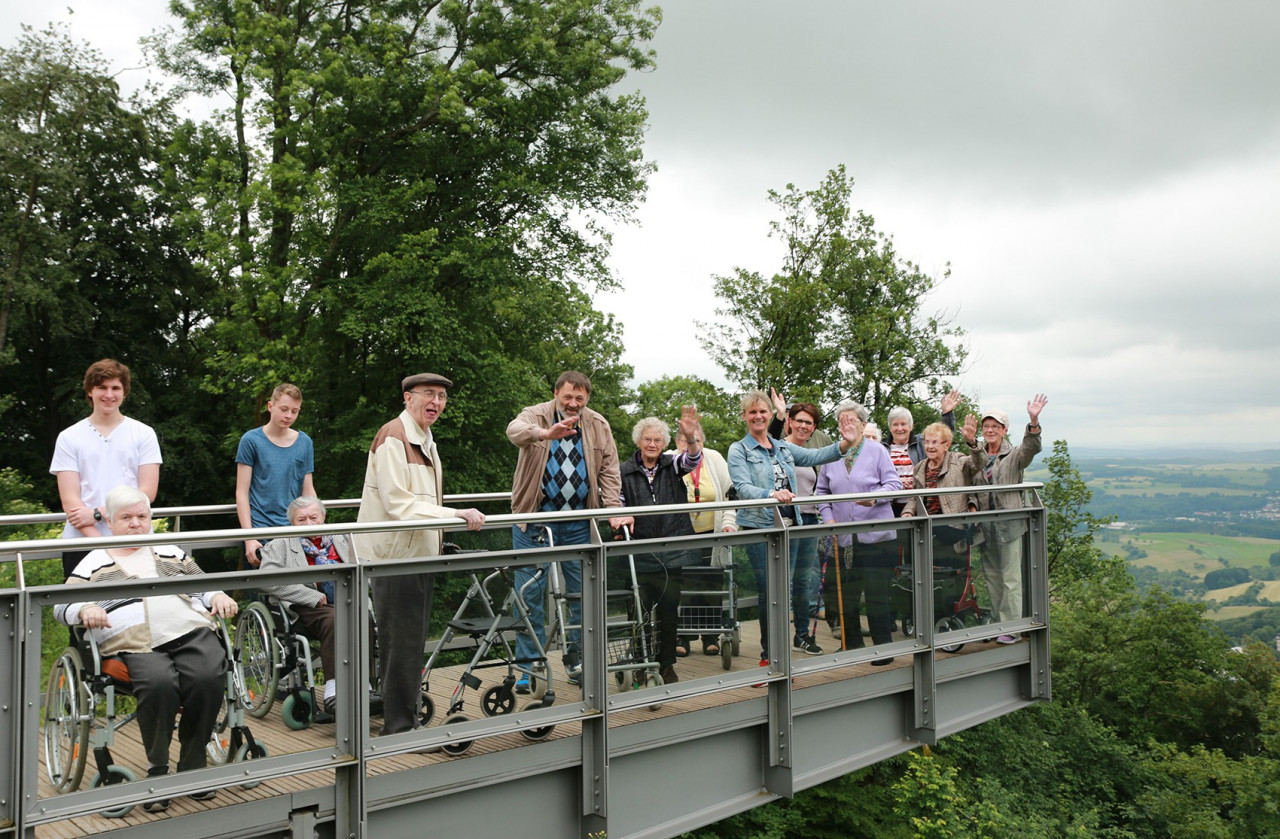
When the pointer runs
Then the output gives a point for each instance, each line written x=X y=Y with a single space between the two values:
x=1001 y=463
x=402 y=482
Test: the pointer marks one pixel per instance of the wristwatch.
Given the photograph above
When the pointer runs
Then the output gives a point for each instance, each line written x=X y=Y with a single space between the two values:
x=97 y=514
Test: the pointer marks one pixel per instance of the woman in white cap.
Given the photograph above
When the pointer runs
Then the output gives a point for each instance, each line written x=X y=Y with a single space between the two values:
x=1002 y=540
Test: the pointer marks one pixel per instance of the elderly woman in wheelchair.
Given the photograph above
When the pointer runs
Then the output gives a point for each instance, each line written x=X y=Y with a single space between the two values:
x=169 y=644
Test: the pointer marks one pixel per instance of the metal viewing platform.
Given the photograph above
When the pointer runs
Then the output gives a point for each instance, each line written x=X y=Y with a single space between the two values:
x=611 y=756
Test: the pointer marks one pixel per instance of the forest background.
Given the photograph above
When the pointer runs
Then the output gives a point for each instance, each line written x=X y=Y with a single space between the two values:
x=407 y=186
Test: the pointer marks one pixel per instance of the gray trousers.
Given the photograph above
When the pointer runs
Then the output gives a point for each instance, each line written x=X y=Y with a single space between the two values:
x=403 y=612
x=186 y=673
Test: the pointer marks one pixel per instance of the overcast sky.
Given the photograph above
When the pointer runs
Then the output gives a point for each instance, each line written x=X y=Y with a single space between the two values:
x=1103 y=178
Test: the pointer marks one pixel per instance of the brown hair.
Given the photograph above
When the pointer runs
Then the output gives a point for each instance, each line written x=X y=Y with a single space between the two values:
x=286 y=389
x=805 y=408
x=573 y=377
x=104 y=371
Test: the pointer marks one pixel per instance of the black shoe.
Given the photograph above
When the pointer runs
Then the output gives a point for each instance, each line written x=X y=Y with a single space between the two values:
x=881 y=662
x=208 y=794
x=668 y=675
x=806 y=645
x=160 y=804
x=375 y=704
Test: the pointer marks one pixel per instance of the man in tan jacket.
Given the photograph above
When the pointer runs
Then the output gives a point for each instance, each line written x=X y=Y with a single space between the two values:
x=402 y=482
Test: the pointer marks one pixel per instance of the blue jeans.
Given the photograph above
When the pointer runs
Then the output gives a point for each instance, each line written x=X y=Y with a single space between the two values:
x=535 y=537
x=756 y=553
x=806 y=574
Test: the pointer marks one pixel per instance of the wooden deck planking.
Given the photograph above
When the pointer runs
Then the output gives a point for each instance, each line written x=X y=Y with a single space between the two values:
x=279 y=739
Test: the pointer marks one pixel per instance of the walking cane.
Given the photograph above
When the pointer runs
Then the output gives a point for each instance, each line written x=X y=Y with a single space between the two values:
x=840 y=595
x=822 y=587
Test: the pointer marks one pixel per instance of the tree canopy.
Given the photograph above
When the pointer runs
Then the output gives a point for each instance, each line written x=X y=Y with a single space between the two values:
x=843 y=318
x=394 y=187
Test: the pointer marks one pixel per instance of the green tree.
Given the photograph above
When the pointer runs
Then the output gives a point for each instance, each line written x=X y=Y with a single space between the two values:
x=1205 y=793
x=412 y=185
x=843 y=318
x=929 y=799
x=92 y=264
x=1071 y=531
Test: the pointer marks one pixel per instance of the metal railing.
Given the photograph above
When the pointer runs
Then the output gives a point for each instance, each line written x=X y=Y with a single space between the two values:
x=352 y=798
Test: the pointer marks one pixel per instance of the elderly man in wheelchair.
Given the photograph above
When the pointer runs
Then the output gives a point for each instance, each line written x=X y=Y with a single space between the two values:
x=168 y=643
x=305 y=608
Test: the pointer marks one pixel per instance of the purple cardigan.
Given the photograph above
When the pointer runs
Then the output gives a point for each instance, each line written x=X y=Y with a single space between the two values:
x=873 y=471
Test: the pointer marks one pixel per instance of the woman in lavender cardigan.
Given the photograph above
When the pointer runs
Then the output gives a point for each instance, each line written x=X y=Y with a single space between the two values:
x=867 y=557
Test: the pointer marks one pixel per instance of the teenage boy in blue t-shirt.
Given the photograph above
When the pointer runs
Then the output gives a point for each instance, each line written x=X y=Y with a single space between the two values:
x=273 y=466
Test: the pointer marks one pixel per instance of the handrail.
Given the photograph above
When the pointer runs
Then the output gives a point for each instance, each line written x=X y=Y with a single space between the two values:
x=11 y=549
x=476 y=498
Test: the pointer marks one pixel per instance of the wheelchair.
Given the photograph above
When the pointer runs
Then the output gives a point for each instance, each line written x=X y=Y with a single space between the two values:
x=81 y=715
x=277 y=663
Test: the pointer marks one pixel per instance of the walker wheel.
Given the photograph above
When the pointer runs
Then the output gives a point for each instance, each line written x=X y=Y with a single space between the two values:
x=948 y=624
x=653 y=680
x=539 y=733
x=428 y=710
x=726 y=653
x=115 y=775
x=497 y=700
x=458 y=747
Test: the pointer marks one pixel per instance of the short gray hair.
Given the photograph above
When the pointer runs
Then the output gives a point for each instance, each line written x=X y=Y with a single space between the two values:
x=651 y=422
x=302 y=502
x=125 y=496
x=851 y=407
x=899 y=412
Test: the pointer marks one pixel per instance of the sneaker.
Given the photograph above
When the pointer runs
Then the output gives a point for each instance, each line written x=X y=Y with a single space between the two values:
x=574 y=675
x=1007 y=639
x=524 y=685
x=805 y=644
x=764 y=662
x=204 y=795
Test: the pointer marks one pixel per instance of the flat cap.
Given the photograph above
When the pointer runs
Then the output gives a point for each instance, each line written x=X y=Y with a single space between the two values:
x=410 y=382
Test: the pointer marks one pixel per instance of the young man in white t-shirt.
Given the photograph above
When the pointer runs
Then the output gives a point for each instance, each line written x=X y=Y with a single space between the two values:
x=99 y=453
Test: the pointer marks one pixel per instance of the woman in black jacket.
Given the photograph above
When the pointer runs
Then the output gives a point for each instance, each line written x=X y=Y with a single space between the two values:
x=650 y=477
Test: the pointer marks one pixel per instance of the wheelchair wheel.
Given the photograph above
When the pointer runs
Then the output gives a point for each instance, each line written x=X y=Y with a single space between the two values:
x=459 y=747
x=498 y=700
x=298 y=709
x=67 y=714
x=247 y=752
x=115 y=775
x=219 y=747
x=258 y=658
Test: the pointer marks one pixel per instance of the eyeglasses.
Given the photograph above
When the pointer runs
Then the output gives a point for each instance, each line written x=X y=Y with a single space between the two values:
x=801 y=422
x=432 y=394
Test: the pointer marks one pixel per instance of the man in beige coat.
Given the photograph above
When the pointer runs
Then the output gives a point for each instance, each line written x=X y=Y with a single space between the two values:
x=568 y=461
x=402 y=482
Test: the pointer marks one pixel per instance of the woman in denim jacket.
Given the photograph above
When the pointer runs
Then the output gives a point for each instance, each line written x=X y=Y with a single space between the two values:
x=761 y=466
